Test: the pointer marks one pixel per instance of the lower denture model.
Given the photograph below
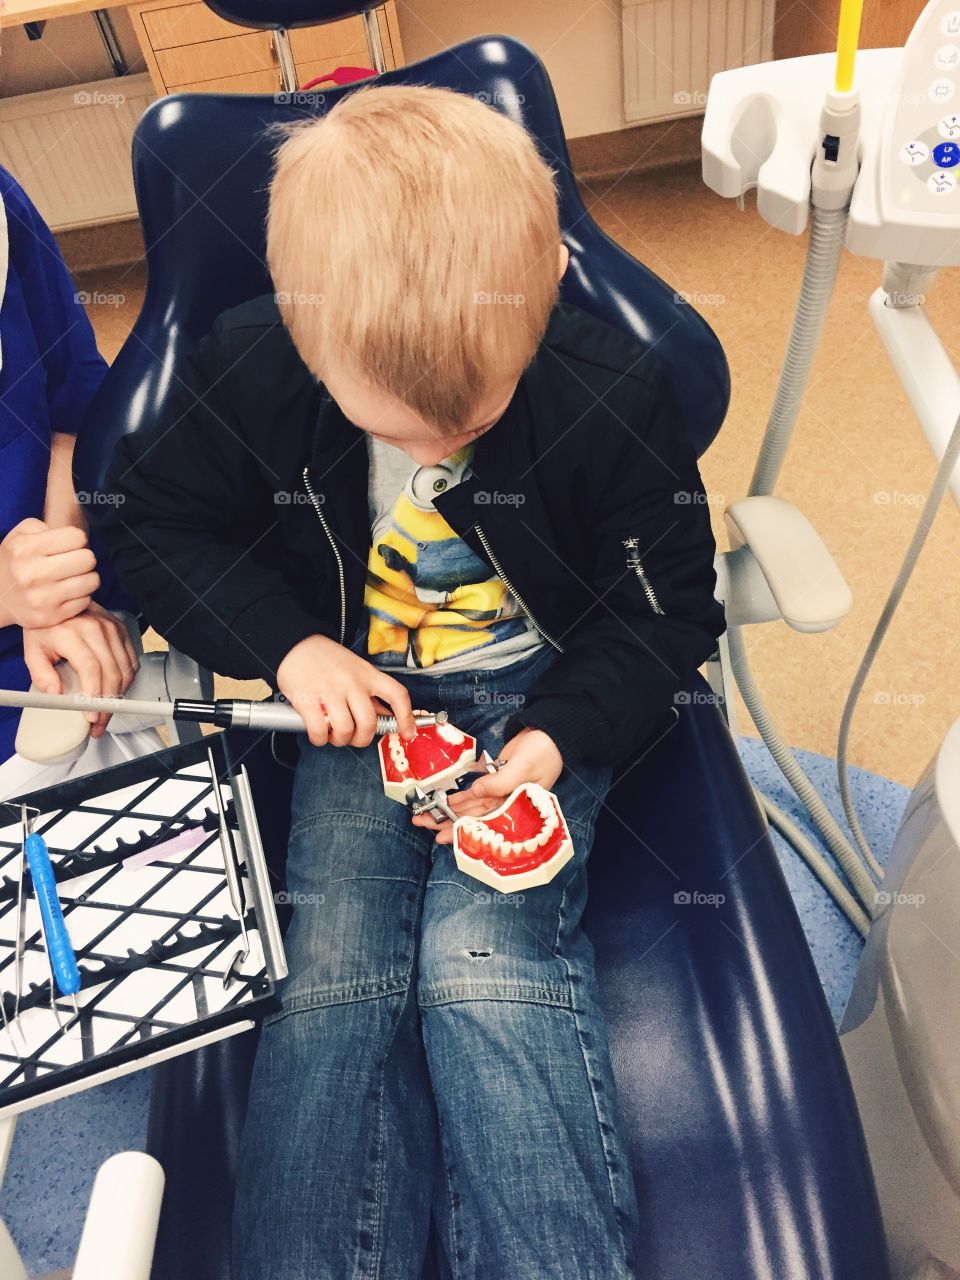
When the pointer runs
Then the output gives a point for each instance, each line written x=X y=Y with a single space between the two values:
x=522 y=844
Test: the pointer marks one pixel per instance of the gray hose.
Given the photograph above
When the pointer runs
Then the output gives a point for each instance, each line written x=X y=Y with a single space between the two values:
x=930 y=507
x=827 y=233
x=816 y=862
x=841 y=848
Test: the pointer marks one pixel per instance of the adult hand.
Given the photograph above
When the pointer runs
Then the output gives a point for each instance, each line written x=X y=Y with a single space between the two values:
x=333 y=689
x=47 y=575
x=98 y=647
x=531 y=756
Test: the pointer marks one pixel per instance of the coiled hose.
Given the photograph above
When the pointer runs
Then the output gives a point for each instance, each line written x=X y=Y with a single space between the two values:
x=827 y=233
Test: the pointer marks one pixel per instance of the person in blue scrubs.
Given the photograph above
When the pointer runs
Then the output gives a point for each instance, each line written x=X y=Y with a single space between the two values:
x=55 y=590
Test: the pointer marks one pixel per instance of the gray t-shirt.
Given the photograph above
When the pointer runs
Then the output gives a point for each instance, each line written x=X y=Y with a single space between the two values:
x=432 y=603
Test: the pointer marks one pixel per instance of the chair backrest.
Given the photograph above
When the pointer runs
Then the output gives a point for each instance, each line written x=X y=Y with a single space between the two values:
x=288 y=13
x=202 y=166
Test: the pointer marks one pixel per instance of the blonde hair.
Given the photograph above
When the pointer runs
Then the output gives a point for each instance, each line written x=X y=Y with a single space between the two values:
x=413 y=233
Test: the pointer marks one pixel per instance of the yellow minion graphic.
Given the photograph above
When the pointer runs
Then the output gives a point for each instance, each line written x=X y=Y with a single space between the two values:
x=429 y=596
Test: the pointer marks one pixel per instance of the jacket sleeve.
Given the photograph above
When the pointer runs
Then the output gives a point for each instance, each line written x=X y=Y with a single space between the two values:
x=64 y=337
x=189 y=520
x=654 y=617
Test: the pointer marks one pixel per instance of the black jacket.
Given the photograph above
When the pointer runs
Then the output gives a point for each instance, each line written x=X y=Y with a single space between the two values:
x=242 y=526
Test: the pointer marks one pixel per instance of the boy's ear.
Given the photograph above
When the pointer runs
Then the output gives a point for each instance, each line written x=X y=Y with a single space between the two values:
x=564 y=258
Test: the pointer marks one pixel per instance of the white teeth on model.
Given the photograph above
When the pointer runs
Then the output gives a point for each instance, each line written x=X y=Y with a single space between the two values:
x=397 y=753
x=497 y=842
x=450 y=733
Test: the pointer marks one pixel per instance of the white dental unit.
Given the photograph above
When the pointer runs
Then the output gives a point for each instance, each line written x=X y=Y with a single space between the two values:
x=872 y=159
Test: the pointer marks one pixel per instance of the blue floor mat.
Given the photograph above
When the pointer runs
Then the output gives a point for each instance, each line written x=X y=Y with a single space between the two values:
x=58 y=1148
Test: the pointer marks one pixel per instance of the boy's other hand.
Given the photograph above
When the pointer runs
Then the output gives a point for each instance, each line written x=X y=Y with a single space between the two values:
x=333 y=689
x=98 y=647
x=47 y=575
x=531 y=756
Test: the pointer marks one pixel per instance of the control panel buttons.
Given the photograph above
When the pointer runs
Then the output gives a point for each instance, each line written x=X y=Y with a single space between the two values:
x=941 y=182
x=914 y=152
x=941 y=90
x=950 y=23
x=946 y=57
x=949 y=127
x=946 y=155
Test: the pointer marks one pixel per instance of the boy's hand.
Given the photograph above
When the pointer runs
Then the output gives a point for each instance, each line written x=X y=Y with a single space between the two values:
x=326 y=682
x=531 y=756
x=98 y=647
x=47 y=575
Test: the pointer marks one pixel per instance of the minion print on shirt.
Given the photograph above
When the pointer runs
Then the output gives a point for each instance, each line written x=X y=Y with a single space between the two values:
x=432 y=603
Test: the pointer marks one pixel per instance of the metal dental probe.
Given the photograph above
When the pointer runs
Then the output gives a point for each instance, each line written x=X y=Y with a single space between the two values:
x=230 y=870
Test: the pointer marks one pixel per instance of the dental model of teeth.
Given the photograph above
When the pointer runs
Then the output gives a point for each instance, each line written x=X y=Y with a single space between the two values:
x=522 y=844
x=433 y=760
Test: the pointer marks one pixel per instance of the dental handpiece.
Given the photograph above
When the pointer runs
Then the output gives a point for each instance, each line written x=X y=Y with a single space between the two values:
x=226 y=713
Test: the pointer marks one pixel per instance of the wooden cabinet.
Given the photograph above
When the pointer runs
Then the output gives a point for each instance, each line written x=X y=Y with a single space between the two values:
x=187 y=47
x=811 y=27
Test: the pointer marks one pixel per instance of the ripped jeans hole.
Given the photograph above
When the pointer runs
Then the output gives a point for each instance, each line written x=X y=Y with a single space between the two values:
x=477 y=957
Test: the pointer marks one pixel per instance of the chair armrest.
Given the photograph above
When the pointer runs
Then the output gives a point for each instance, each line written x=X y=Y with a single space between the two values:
x=779 y=567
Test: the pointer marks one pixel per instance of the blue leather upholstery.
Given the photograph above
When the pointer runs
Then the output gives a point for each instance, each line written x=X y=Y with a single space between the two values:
x=744 y=1135
x=287 y=13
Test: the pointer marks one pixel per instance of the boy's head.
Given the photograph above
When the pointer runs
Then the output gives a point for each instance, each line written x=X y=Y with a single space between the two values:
x=415 y=248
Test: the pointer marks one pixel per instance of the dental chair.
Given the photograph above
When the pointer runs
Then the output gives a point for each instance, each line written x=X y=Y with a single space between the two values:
x=744 y=1136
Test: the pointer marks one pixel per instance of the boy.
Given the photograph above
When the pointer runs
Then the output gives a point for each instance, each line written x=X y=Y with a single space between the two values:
x=426 y=484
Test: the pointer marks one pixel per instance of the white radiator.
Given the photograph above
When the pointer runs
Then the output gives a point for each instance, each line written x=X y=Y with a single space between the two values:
x=70 y=148
x=672 y=48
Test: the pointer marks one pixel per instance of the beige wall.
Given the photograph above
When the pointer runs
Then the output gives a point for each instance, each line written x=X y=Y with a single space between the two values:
x=579 y=44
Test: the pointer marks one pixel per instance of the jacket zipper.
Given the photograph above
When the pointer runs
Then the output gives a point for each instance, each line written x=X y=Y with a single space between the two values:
x=509 y=585
x=636 y=564
x=326 y=528
x=648 y=590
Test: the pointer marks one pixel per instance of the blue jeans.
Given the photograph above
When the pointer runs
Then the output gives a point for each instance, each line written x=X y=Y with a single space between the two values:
x=440 y=1048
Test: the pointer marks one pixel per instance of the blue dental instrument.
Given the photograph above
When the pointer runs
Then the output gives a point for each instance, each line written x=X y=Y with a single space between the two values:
x=56 y=939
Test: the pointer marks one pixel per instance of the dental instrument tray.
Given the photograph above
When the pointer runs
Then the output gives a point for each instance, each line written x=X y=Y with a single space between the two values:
x=160 y=873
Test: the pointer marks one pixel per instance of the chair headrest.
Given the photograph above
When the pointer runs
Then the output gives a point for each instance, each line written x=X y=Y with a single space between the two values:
x=202 y=166
x=287 y=13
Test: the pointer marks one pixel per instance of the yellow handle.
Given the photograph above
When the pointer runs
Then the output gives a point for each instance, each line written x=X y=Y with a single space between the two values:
x=848 y=36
